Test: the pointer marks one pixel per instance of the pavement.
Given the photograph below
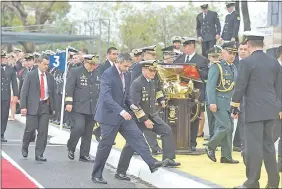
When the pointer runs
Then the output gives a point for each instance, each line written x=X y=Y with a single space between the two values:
x=58 y=171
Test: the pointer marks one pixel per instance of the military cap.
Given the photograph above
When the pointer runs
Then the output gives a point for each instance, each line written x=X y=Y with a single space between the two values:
x=10 y=55
x=229 y=4
x=230 y=46
x=48 y=52
x=189 y=40
x=3 y=53
x=29 y=56
x=214 y=51
x=72 y=49
x=204 y=6
x=150 y=64
x=176 y=39
x=36 y=54
x=252 y=35
x=137 y=52
x=150 y=48
x=17 y=50
x=91 y=58
x=168 y=49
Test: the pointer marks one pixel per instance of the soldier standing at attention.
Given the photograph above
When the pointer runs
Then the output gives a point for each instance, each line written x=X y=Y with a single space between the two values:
x=231 y=24
x=259 y=82
x=82 y=89
x=8 y=77
x=208 y=28
x=220 y=86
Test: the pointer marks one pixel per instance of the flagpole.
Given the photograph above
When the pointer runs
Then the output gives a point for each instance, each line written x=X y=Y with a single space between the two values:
x=64 y=90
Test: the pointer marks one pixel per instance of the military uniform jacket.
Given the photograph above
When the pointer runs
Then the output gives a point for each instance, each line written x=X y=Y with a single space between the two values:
x=209 y=27
x=147 y=95
x=259 y=82
x=8 y=76
x=82 y=89
x=220 y=85
x=231 y=26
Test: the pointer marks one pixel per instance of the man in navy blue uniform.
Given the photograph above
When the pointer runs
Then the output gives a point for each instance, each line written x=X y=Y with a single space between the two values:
x=111 y=114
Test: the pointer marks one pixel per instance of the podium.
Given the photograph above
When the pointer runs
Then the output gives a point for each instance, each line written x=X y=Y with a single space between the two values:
x=178 y=86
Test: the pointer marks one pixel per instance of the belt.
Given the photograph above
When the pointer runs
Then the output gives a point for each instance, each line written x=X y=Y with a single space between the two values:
x=47 y=101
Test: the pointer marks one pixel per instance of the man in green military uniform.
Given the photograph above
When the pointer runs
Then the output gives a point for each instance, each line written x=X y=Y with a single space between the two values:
x=214 y=57
x=220 y=87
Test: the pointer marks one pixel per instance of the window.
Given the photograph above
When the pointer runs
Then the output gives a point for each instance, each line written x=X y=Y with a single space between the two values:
x=275 y=6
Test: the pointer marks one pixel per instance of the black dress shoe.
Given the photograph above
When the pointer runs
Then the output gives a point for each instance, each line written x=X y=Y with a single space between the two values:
x=237 y=149
x=24 y=152
x=211 y=154
x=158 y=164
x=122 y=177
x=56 y=122
x=193 y=149
x=229 y=161
x=267 y=186
x=99 y=180
x=71 y=155
x=171 y=163
x=40 y=158
x=3 y=139
x=86 y=159
x=158 y=152
x=242 y=186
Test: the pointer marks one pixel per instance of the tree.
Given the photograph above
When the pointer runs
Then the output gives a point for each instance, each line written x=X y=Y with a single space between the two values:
x=246 y=16
x=29 y=14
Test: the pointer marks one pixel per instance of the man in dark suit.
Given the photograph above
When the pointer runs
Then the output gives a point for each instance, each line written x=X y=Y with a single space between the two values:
x=82 y=91
x=231 y=24
x=8 y=77
x=208 y=28
x=190 y=56
x=259 y=81
x=37 y=103
x=112 y=54
x=112 y=116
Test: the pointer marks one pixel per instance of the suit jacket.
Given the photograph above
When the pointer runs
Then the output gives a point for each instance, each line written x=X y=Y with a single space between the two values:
x=202 y=65
x=209 y=27
x=8 y=76
x=112 y=99
x=259 y=81
x=30 y=93
x=105 y=66
x=23 y=75
x=231 y=26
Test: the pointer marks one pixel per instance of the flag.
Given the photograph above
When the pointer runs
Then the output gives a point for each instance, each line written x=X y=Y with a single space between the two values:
x=58 y=60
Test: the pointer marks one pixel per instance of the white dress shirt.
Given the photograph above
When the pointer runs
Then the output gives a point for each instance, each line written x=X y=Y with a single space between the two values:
x=190 y=57
x=45 y=84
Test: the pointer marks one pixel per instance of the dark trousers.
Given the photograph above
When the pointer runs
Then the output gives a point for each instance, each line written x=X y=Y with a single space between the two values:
x=206 y=45
x=277 y=135
x=81 y=126
x=161 y=128
x=194 y=132
x=40 y=123
x=5 y=107
x=259 y=147
x=211 y=121
x=59 y=108
x=134 y=137
x=239 y=133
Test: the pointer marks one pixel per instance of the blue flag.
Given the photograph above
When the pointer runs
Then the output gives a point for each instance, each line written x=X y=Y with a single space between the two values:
x=58 y=60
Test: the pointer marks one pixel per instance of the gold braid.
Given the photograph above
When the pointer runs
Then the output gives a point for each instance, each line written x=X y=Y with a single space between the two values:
x=221 y=81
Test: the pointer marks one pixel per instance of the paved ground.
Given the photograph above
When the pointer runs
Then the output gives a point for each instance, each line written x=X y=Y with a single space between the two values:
x=59 y=171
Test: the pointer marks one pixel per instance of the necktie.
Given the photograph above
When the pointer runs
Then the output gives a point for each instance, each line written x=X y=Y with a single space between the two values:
x=122 y=80
x=42 y=91
x=187 y=59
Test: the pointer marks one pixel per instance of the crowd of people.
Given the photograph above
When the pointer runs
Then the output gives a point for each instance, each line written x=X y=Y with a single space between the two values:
x=124 y=95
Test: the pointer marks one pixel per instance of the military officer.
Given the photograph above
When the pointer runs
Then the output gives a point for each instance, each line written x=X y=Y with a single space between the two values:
x=177 y=41
x=169 y=55
x=191 y=56
x=82 y=89
x=231 y=24
x=149 y=53
x=8 y=77
x=259 y=81
x=148 y=96
x=214 y=57
x=220 y=86
x=137 y=57
x=208 y=28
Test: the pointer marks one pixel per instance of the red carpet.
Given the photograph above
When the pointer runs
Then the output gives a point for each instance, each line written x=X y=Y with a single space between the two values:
x=13 y=177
